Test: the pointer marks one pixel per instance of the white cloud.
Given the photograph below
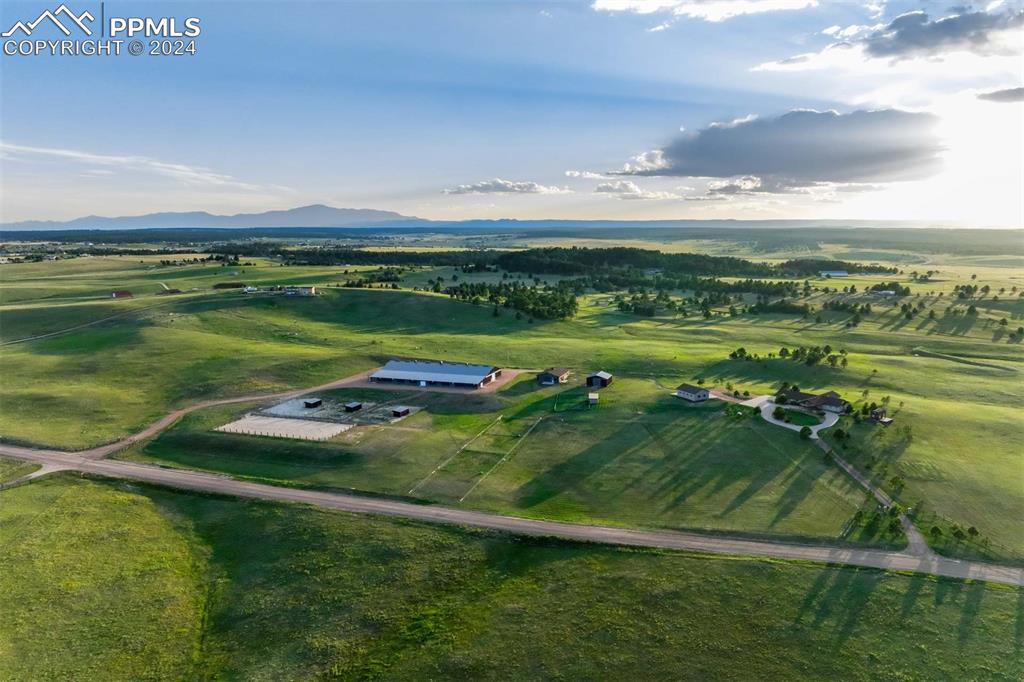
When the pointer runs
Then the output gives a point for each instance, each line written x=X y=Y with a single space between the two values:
x=108 y=164
x=625 y=189
x=708 y=10
x=648 y=161
x=499 y=186
x=586 y=175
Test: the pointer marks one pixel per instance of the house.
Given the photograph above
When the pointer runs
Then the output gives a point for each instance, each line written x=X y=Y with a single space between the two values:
x=834 y=273
x=300 y=291
x=829 y=402
x=250 y=290
x=552 y=376
x=878 y=415
x=592 y=398
x=400 y=411
x=353 y=406
x=123 y=293
x=599 y=379
x=310 y=403
x=430 y=373
x=883 y=292
x=694 y=394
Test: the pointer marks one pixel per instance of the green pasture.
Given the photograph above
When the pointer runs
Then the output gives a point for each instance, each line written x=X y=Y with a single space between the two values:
x=102 y=382
x=146 y=583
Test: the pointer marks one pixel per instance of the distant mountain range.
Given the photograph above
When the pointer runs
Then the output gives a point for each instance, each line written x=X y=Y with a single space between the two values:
x=320 y=216
x=316 y=215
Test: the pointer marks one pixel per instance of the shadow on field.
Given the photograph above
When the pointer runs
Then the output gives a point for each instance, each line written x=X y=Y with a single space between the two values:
x=839 y=598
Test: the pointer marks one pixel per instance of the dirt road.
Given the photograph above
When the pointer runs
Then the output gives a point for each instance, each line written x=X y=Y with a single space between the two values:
x=212 y=483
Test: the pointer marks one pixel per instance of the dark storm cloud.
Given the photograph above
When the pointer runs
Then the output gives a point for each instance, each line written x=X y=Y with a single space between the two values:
x=803 y=148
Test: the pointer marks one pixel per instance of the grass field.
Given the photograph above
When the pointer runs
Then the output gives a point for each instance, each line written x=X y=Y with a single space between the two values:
x=961 y=397
x=642 y=458
x=147 y=583
x=11 y=469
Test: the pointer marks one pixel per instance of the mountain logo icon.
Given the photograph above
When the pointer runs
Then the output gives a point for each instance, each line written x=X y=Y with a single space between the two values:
x=53 y=16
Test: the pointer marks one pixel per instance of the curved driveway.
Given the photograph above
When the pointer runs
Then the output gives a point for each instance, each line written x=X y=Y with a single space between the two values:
x=769 y=406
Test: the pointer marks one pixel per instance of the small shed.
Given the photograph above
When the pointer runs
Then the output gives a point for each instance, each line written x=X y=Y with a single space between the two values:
x=878 y=415
x=400 y=411
x=592 y=398
x=599 y=379
x=694 y=394
x=123 y=293
x=310 y=403
x=552 y=376
x=353 y=406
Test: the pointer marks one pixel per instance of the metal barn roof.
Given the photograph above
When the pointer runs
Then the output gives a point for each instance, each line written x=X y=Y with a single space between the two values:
x=443 y=372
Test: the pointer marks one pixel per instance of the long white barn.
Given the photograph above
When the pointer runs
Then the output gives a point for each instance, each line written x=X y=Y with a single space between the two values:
x=424 y=373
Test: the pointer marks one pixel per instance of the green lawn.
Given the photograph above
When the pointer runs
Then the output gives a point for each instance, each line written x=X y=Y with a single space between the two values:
x=100 y=383
x=802 y=418
x=147 y=583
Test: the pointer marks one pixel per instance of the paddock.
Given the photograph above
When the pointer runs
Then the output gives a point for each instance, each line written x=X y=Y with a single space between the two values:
x=299 y=429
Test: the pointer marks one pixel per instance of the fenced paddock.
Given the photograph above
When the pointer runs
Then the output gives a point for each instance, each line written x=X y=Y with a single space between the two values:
x=277 y=427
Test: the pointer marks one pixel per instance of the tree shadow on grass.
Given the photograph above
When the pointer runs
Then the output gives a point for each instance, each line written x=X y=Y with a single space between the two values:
x=575 y=470
x=838 y=597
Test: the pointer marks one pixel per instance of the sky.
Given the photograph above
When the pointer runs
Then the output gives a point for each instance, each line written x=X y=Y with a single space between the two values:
x=599 y=109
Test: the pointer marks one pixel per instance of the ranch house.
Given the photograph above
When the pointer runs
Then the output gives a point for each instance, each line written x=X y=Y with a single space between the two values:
x=829 y=402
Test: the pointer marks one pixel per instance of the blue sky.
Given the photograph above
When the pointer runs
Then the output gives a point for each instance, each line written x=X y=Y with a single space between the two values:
x=480 y=109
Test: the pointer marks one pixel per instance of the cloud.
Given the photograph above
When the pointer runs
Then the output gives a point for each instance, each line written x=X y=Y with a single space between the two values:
x=708 y=10
x=1007 y=95
x=912 y=35
x=646 y=162
x=625 y=189
x=803 y=149
x=586 y=175
x=499 y=186
x=108 y=164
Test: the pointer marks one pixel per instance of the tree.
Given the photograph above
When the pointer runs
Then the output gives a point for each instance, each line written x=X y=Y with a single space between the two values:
x=779 y=413
x=805 y=432
x=936 y=533
x=973 y=532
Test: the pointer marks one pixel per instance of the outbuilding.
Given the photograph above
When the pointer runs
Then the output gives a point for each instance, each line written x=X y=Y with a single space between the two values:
x=834 y=273
x=599 y=379
x=552 y=376
x=430 y=373
x=310 y=403
x=694 y=394
x=353 y=406
x=123 y=293
x=592 y=398
x=400 y=411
